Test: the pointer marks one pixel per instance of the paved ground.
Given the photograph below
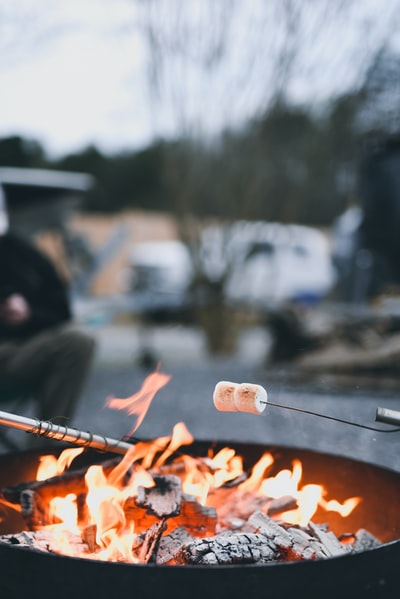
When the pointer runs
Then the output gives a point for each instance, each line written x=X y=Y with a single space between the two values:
x=188 y=396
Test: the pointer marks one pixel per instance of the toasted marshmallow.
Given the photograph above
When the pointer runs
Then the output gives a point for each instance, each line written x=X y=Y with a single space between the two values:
x=243 y=397
x=224 y=396
x=251 y=398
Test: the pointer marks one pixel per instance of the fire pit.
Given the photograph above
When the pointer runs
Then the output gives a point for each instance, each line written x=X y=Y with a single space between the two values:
x=369 y=573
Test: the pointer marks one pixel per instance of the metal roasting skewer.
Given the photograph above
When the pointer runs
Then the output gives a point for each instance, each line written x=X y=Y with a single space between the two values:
x=382 y=415
x=44 y=428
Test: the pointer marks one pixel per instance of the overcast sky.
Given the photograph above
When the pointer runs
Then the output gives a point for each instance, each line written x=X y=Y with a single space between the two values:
x=76 y=72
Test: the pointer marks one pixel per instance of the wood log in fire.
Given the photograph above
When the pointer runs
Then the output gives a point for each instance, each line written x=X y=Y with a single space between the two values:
x=228 y=548
x=164 y=499
x=171 y=544
x=152 y=538
x=262 y=540
x=46 y=541
x=197 y=519
x=70 y=481
x=299 y=543
x=362 y=540
x=33 y=509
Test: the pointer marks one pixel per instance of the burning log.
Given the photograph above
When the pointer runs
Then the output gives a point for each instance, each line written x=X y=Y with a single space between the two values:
x=262 y=540
x=240 y=505
x=329 y=543
x=34 y=496
x=164 y=499
x=89 y=537
x=362 y=540
x=33 y=509
x=271 y=541
x=197 y=519
x=226 y=549
x=243 y=503
x=171 y=544
x=297 y=543
x=46 y=541
x=152 y=538
x=281 y=504
x=71 y=481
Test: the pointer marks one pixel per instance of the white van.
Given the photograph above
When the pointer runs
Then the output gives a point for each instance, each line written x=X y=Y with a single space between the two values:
x=262 y=264
x=280 y=263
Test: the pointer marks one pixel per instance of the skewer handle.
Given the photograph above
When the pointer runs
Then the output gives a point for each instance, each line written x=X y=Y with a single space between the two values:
x=62 y=433
x=388 y=416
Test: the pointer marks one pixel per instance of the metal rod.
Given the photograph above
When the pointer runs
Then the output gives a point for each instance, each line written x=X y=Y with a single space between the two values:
x=44 y=428
x=388 y=416
x=369 y=428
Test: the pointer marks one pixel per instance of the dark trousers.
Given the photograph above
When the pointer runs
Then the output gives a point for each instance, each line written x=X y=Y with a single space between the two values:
x=51 y=367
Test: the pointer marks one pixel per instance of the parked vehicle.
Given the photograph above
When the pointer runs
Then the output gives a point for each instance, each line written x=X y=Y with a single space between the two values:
x=258 y=264
x=279 y=263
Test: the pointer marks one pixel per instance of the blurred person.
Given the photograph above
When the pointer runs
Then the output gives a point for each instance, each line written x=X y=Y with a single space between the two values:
x=41 y=354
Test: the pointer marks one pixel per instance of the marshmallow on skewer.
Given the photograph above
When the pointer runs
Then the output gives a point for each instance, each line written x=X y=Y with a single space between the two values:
x=244 y=397
x=251 y=398
x=224 y=396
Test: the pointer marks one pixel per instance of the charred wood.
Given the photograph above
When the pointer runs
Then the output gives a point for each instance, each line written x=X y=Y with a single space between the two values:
x=33 y=510
x=362 y=541
x=46 y=540
x=271 y=529
x=71 y=481
x=197 y=519
x=171 y=544
x=226 y=549
x=298 y=543
x=162 y=500
x=281 y=504
x=148 y=550
x=330 y=544
x=240 y=503
x=89 y=537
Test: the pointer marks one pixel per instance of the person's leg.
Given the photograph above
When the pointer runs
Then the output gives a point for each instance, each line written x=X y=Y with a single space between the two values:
x=60 y=391
x=54 y=365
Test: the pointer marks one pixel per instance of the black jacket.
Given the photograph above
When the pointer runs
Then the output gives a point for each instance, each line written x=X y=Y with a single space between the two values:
x=26 y=271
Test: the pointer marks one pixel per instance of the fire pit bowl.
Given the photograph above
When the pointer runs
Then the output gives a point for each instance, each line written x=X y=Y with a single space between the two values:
x=371 y=573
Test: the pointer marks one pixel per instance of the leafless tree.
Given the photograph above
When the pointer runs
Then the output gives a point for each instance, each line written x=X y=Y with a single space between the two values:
x=214 y=66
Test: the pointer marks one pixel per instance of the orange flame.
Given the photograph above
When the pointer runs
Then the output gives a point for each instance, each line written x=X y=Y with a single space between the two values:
x=50 y=466
x=139 y=402
x=203 y=477
x=65 y=511
x=107 y=514
x=180 y=436
x=344 y=509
